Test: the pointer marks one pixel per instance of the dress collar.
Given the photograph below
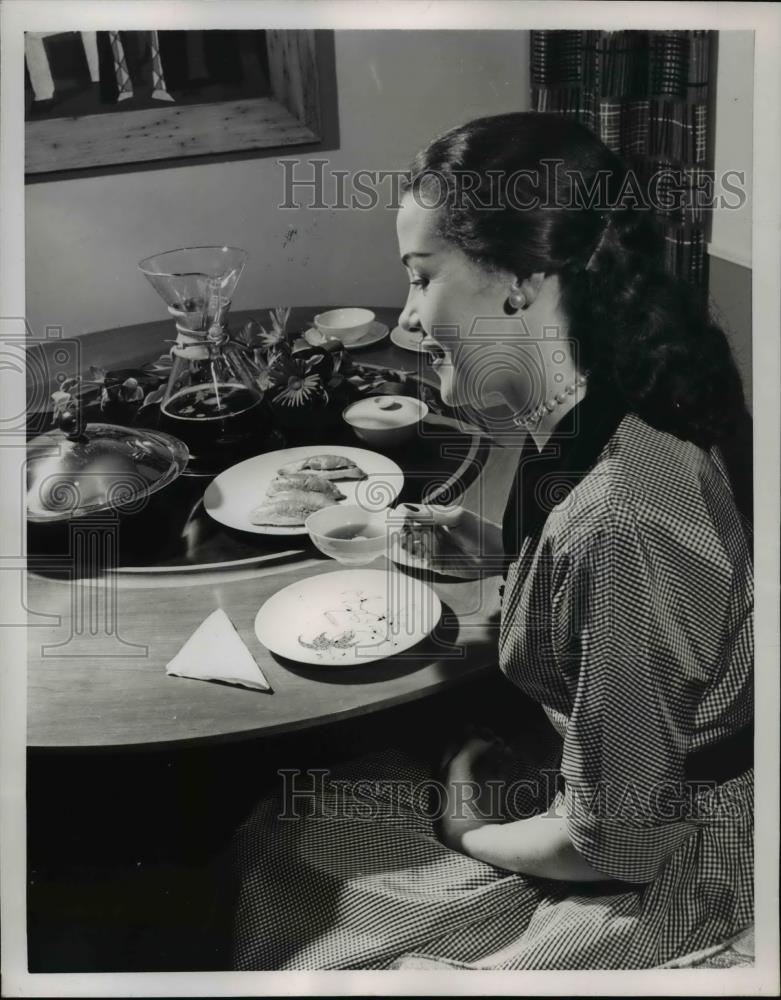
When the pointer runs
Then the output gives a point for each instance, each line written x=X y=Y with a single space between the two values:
x=545 y=478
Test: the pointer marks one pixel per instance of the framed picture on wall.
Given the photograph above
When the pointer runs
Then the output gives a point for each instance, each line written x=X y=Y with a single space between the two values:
x=110 y=99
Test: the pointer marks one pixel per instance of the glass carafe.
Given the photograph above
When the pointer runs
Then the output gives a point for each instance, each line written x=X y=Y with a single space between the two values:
x=212 y=401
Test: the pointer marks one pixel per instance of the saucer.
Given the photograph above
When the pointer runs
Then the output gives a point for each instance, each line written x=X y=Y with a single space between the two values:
x=376 y=332
x=407 y=340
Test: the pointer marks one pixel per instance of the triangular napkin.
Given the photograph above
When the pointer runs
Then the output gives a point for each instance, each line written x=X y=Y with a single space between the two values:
x=216 y=652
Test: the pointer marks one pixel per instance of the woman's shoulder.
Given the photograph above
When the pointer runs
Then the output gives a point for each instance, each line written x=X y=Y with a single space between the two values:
x=656 y=460
x=646 y=479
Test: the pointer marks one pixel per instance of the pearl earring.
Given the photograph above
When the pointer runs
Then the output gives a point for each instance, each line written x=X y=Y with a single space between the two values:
x=515 y=300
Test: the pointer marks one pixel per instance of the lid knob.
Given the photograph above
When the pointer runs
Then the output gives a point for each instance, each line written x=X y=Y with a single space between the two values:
x=67 y=412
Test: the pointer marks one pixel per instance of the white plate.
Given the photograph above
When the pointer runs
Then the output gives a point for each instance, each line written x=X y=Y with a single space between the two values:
x=408 y=341
x=350 y=617
x=376 y=332
x=402 y=557
x=231 y=497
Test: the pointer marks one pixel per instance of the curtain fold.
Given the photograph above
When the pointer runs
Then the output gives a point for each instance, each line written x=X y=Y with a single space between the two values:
x=646 y=95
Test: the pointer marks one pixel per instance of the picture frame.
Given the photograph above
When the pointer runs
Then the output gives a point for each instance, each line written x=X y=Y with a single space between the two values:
x=302 y=82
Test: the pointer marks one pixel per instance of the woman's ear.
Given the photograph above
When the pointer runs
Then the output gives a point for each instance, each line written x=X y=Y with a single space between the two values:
x=530 y=287
x=523 y=293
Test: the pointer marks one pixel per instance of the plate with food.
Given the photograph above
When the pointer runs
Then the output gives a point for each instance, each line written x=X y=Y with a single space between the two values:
x=273 y=494
x=348 y=618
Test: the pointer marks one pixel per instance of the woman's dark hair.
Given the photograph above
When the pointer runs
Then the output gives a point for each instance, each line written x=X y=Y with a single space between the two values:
x=530 y=193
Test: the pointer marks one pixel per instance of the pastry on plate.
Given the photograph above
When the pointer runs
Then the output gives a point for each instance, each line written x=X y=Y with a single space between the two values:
x=308 y=482
x=334 y=467
x=289 y=509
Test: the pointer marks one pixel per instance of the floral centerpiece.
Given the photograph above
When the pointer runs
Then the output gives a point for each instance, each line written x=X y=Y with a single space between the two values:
x=305 y=388
x=299 y=381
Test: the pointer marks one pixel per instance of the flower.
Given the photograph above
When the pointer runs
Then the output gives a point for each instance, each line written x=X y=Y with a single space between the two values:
x=299 y=390
x=279 y=317
x=263 y=378
x=249 y=335
x=293 y=383
x=271 y=339
x=277 y=335
x=264 y=345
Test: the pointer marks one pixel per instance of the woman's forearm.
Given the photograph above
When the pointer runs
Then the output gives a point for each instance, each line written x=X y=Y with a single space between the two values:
x=485 y=537
x=539 y=846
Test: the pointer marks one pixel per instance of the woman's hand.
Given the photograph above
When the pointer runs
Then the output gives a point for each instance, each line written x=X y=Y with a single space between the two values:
x=473 y=780
x=450 y=540
x=473 y=823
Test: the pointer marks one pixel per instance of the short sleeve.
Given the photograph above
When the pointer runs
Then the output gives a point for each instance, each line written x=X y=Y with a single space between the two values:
x=635 y=644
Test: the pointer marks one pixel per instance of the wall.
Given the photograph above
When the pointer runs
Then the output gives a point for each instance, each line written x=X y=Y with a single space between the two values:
x=734 y=136
x=396 y=90
x=730 y=295
x=730 y=247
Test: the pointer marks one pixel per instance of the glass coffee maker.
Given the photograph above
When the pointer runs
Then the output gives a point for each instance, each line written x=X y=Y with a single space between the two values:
x=212 y=400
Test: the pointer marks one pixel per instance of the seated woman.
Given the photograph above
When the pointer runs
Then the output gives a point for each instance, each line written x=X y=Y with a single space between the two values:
x=622 y=836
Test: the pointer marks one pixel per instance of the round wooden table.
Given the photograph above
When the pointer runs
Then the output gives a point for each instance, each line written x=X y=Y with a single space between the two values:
x=105 y=685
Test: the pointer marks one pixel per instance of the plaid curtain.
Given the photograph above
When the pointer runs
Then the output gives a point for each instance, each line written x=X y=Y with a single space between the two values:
x=645 y=94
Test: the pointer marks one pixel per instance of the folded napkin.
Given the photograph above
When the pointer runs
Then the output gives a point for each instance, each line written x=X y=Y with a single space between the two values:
x=215 y=652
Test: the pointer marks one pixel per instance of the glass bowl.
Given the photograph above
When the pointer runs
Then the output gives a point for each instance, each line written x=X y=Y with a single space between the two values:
x=349 y=533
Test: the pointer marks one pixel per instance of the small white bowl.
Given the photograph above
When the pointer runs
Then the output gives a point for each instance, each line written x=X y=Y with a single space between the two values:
x=347 y=325
x=385 y=421
x=367 y=531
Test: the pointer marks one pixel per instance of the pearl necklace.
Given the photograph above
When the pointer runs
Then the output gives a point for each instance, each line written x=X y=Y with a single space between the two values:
x=529 y=421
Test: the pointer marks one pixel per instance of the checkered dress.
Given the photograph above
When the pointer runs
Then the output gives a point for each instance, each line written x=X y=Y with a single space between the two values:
x=627 y=615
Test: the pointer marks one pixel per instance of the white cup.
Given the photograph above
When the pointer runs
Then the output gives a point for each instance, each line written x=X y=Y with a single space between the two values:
x=347 y=325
